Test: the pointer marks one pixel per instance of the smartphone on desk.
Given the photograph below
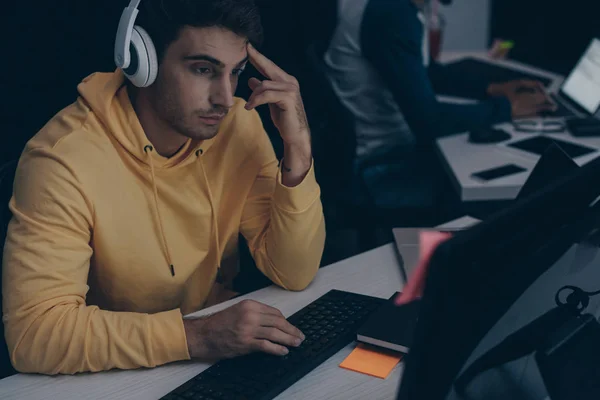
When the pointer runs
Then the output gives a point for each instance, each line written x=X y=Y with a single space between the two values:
x=498 y=172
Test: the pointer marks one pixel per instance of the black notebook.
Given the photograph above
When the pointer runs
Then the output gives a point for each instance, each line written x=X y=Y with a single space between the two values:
x=391 y=326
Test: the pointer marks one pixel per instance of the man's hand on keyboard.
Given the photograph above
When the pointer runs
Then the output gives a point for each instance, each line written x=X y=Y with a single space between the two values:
x=244 y=328
x=527 y=98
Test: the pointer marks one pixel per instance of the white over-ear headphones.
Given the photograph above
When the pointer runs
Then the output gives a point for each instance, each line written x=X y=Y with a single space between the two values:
x=134 y=51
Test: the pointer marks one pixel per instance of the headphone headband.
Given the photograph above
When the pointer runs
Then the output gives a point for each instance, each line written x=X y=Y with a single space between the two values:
x=122 y=56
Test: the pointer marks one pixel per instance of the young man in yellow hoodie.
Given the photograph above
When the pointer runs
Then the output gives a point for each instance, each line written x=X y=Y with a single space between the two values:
x=128 y=204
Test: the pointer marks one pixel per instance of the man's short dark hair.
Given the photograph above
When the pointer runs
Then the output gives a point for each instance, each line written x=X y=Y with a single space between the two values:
x=164 y=19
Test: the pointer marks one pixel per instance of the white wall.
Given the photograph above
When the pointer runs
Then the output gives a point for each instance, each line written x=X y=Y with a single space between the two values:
x=467 y=25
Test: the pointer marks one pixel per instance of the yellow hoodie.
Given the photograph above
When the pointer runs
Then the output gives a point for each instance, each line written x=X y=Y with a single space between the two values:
x=111 y=243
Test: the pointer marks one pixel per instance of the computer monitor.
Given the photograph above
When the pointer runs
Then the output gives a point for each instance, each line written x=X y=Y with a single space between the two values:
x=582 y=86
x=477 y=275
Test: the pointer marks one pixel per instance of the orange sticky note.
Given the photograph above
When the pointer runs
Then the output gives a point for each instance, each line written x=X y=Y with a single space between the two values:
x=371 y=361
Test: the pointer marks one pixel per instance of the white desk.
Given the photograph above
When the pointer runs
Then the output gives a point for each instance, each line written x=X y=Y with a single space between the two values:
x=376 y=273
x=462 y=158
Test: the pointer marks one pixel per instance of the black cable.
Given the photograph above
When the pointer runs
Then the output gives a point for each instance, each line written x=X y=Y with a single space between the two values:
x=577 y=300
x=525 y=340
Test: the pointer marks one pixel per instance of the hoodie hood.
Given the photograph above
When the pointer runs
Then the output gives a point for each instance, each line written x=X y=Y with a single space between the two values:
x=107 y=96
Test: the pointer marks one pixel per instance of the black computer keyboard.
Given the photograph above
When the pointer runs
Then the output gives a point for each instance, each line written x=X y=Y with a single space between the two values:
x=329 y=324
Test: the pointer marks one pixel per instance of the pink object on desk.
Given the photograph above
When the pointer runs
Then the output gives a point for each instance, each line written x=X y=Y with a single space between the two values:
x=428 y=242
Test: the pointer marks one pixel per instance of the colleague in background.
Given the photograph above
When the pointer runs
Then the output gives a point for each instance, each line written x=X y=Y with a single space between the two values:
x=128 y=205
x=380 y=70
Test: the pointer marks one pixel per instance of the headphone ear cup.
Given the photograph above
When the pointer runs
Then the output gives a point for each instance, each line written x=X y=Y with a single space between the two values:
x=143 y=68
x=150 y=53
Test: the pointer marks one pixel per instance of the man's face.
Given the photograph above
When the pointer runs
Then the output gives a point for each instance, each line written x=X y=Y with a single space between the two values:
x=197 y=79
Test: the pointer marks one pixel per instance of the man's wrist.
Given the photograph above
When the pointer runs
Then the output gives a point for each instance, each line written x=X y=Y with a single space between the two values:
x=297 y=160
x=193 y=336
x=190 y=336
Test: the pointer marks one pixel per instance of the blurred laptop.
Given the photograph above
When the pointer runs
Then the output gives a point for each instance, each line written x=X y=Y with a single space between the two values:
x=579 y=95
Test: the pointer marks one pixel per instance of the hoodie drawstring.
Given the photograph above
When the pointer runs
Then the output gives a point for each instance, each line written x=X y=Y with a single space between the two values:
x=211 y=200
x=149 y=149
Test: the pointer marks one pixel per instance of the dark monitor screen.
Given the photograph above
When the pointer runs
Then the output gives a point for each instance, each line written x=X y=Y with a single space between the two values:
x=539 y=144
x=475 y=277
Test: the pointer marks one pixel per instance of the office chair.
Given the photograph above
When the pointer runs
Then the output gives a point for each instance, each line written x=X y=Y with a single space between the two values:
x=334 y=148
x=7 y=174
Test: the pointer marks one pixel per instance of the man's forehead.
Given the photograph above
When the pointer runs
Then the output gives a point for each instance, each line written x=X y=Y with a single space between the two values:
x=219 y=43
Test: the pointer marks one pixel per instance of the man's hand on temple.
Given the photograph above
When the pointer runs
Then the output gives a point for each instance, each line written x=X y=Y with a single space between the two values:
x=527 y=98
x=281 y=92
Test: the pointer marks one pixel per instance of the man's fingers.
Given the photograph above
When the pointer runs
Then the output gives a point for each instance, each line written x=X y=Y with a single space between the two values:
x=269 y=347
x=265 y=66
x=541 y=97
x=529 y=83
x=276 y=336
x=265 y=309
x=254 y=83
x=262 y=92
x=280 y=323
x=546 y=107
x=268 y=97
x=534 y=99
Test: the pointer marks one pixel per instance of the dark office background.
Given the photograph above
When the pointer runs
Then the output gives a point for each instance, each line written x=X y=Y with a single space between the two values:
x=49 y=46
x=551 y=34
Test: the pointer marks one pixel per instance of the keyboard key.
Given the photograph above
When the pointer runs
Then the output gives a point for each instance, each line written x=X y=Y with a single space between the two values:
x=171 y=396
x=185 y=387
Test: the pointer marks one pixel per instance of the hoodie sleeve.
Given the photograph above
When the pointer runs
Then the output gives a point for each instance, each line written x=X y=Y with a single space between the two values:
x=284 y=226
x=49 y=328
